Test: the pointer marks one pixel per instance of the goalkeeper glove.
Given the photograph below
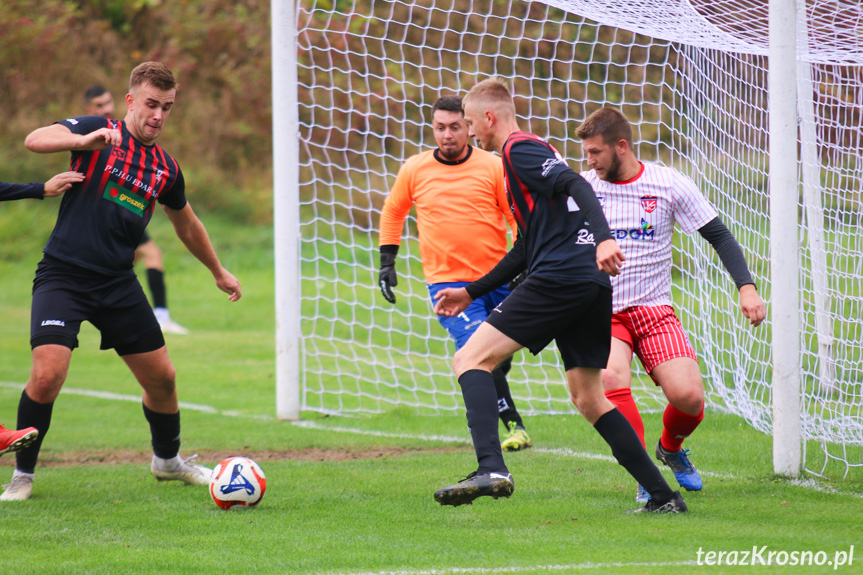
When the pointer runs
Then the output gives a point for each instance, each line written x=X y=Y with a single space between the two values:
x=387 y=278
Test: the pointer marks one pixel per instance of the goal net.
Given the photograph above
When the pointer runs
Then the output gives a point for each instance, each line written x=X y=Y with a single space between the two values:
x=692 y=77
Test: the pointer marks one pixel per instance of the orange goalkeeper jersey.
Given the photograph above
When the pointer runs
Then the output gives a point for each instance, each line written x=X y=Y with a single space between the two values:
x=462 y=212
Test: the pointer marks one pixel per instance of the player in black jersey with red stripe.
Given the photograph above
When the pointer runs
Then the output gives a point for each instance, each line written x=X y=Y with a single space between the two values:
x=86 y=272
x=99 y=102
x=568 y=251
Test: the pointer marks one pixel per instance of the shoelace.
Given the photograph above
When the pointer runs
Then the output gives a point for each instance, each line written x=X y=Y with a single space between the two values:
x=15 y=481
x=469 y=477
x=192 y=459
x=683 y=461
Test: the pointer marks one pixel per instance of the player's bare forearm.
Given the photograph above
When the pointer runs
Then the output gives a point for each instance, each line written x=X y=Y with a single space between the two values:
x=752 y=305
x=58 y=138
x=609 y=257
x=449 y=302
x=194 y=236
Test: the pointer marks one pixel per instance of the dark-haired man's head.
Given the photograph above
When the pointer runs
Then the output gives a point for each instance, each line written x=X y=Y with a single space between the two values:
x=98 y=102
x=450 y=128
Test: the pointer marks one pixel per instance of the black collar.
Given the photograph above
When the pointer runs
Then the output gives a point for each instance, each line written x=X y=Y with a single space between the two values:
x=438 y=157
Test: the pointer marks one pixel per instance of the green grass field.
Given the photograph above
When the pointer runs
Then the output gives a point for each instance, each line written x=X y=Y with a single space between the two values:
x=353 y=495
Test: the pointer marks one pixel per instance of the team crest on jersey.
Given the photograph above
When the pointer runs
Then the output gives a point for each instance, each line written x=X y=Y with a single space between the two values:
x=120 y=154
x=601 y=200
x=648 y=203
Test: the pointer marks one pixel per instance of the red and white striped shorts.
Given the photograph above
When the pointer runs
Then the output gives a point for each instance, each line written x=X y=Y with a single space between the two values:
x=654 y=333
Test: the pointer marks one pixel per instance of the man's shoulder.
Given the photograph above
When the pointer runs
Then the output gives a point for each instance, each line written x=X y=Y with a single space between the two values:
x=418 y=160
x=590 y=176
x=164 y=157
x=483 y=158
x=656 y=170
x=484 y=155
x=669 y=178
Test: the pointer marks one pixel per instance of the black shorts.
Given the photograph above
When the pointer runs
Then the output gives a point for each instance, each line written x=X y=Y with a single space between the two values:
x=65 y=295
x=145 y=237
x=577 y=316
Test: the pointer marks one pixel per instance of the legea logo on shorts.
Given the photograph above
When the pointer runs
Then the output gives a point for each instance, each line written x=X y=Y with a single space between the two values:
x=128 y=199
x=59 y=322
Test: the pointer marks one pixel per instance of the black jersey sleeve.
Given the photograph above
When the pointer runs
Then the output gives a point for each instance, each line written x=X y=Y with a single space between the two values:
x=84 y=124
x=546 y=173
x=572 y=184
x=512 y=264
x=9 y=192
x=175 y=196
x=536 y=165
x=722 y=240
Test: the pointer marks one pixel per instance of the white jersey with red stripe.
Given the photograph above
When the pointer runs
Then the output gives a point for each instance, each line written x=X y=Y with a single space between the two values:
x=641 y=213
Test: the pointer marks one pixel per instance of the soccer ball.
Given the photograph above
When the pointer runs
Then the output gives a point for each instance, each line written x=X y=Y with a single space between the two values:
x=237 y=483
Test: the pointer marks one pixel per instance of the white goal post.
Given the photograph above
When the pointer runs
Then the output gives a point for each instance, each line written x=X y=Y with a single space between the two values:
x=353 y=85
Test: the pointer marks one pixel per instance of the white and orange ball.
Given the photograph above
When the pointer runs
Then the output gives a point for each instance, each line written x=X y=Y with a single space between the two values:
x=237 y=483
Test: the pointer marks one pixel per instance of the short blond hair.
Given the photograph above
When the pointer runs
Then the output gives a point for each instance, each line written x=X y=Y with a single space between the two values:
x=493 y=94
x=155 y=74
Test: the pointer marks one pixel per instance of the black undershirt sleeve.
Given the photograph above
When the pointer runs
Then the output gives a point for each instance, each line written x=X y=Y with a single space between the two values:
x=729 y=251
x=512 y=264
x=570 y=183
x=10 y=191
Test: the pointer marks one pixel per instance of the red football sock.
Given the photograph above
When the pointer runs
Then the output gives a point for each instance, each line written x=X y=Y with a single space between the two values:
x=625 y=404
x=678 y=426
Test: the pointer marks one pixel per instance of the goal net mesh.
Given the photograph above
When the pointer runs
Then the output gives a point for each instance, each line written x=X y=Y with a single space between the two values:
x=692 y=78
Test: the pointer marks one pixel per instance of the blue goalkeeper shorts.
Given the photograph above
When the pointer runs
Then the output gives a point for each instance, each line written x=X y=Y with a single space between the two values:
x=462 y=326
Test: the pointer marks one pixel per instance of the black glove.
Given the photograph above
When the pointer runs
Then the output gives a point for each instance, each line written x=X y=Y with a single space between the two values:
x=387 y=278
x=516 y=281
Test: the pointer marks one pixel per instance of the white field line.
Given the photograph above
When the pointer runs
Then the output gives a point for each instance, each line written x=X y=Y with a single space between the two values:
x=565 y=451
x=521 y=569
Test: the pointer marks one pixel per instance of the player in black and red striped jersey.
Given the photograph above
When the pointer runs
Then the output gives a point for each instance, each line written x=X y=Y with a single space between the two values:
x=86 y=272
x=567 y=248
x=98 y=101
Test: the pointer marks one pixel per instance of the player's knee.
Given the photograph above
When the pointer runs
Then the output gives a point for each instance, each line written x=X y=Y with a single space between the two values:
x=611 y=379
x=689 y=400
x=44 y=385
x=588 y=405
x=464 y=360
x=460 y=363
x=163 y=382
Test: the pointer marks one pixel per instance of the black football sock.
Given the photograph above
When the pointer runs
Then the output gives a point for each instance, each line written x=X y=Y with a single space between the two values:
x=627 y=449
x=505 y=406
x=32 y=414
x=477 y=387
x=165 y=431
x=156 y=281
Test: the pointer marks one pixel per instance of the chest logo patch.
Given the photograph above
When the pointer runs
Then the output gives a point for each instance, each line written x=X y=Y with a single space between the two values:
x=648 y=203
x=126 y=198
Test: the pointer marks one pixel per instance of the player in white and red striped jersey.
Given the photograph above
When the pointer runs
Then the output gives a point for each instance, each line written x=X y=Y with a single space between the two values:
x=642 y=202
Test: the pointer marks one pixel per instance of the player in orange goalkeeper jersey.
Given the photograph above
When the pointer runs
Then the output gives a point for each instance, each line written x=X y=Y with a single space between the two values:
x=462 y=217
